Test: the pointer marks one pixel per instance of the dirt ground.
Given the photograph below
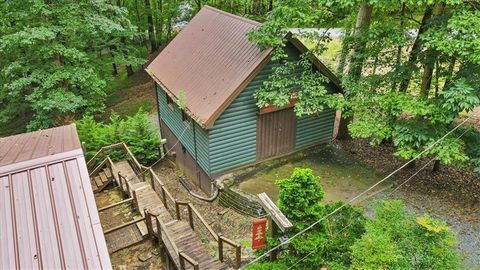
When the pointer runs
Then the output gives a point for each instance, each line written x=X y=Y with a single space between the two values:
x=223 y=220
x=144 y=255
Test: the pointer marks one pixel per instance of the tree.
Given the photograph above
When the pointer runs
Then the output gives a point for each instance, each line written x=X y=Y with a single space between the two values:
x=50 y=50
x=328 y=243
x=385 y=91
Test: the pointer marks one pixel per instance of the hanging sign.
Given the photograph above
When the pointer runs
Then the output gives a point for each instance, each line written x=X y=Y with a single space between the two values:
x=259 y=228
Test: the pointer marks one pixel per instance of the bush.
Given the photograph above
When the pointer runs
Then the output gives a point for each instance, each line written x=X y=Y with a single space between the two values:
x=395 y=239
x=136 y=131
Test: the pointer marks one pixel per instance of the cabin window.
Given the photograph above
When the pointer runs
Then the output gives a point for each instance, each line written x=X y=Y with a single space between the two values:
x=169 y=101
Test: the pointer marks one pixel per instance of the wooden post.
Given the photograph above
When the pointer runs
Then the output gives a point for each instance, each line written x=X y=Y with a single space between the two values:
x=120 y=181
x=220 y=248
x=128 y=187
x=164 y=197
x=148 y=221
x=177 y=210
x=151 y=179
x=190 y=216
x=238 y=257
x=134 y=195
x=182 y=261
x=273 y=232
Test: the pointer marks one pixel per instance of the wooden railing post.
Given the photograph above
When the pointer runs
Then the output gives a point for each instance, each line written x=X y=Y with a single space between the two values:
x=134 y=195
x=182 y=261
x=220 y=248
x=148 y=219
x=177 y=210
x=120 y=181
x=238 y=257
x=159 y=231
x=190 y=216
x=164 y=197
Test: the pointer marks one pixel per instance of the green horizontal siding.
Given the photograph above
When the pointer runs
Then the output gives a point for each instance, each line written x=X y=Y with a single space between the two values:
x=233 y=137
x=172 y=117
x=312 y=130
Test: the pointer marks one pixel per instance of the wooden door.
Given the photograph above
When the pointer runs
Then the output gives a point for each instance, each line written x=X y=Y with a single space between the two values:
x=275 y=133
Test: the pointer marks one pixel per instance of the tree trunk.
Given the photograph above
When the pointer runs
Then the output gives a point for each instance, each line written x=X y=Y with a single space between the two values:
x=451 y=67
x=362 y=25
x=151 y=27
x=344 y=52
x=130 y=71
x=430 y=59
x=399 y=48
x=416 y=48
x=160 y=21
x=436 y=166
x=343 y=133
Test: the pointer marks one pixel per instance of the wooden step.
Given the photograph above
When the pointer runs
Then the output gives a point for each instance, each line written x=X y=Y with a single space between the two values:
x=103 y=177
x=108 y=172
x=98 y=181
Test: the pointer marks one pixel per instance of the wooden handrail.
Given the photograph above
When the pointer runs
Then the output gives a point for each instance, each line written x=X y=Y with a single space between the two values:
x=139 y=166
x=236 y=246
x=164 y=190
x=184 y=257
x=124 y=225
x=98 y=168
x=204 y=223
x=115 y=204
x=90 y=161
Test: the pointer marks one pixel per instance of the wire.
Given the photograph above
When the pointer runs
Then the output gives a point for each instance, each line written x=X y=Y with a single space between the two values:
x=388 y=195
x=356 y=197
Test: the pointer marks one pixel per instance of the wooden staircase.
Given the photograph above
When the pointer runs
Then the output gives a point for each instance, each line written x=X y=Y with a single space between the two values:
x=101 y=180
x=174 y=224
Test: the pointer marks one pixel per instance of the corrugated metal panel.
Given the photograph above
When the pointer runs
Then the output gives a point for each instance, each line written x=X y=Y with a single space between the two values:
x=275 y=133
x=48 y=216
x=210 y=61
x=172 y=117
x=38 y=144
x=312 y=130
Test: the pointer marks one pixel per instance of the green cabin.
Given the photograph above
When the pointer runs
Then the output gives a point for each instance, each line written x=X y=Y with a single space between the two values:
x=205 y=80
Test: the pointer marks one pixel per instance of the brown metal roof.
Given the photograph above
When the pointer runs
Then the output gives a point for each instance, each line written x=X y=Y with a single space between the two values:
x=48 y=216
x=211 y=61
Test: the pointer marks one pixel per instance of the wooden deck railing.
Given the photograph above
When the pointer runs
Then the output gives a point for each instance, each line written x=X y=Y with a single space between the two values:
x=164 y=238
x=221 y=240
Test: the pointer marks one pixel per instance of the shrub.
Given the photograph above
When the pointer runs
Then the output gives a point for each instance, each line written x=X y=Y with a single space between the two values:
x=396 y=239
x=136 y=131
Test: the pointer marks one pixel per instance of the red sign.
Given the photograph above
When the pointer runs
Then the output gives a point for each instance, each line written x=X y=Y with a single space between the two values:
x=259 y=229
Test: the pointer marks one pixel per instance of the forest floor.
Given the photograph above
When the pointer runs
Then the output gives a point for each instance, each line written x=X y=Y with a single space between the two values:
x=128 y=94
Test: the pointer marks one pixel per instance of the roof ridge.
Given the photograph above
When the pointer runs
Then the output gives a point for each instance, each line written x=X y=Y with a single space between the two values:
x=233 y=15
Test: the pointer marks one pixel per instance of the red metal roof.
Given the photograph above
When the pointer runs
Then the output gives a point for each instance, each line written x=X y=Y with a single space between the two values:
x=210 y=61
x=48 y=216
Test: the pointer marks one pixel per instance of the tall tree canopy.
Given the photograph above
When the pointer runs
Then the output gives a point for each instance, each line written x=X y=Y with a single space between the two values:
x=409 y=68
x=50 y=51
